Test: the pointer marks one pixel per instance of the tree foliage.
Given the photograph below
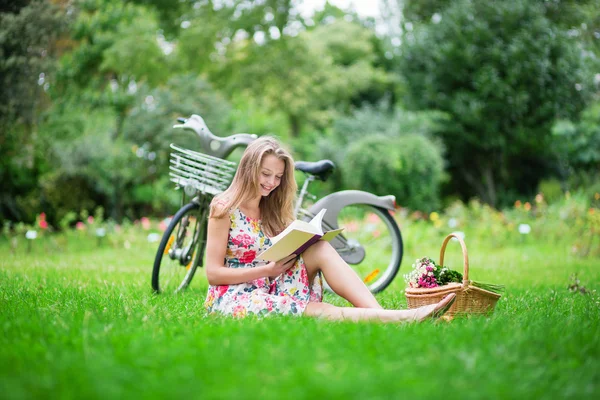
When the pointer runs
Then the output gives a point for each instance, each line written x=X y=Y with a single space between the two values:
x=577 y=144
x=409 y=167
x=28 y=31
x=503 y=72
x=310 y=78
x=90 y=89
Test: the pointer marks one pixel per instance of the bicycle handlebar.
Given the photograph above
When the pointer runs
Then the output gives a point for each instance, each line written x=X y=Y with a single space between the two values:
x=211 y=144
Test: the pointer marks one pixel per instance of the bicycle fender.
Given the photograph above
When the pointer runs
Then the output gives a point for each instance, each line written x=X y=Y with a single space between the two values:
x=212 y=144
x=338 y=200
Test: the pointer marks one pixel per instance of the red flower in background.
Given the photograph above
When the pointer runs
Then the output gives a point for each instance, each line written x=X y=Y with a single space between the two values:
x=43 y=223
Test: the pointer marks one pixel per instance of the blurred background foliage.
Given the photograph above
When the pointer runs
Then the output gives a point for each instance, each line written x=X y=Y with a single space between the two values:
x=438 y=100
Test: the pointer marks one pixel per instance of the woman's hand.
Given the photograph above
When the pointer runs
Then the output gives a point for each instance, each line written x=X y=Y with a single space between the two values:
x=277 y=268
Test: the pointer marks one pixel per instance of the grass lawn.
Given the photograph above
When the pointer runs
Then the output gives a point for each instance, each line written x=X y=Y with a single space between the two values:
x=80 y=321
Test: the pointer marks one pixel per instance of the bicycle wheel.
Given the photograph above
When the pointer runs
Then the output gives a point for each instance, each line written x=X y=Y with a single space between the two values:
x=371 y=244
x=180 y=251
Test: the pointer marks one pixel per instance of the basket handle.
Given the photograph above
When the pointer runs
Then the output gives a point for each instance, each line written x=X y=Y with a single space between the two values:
x=464 y=252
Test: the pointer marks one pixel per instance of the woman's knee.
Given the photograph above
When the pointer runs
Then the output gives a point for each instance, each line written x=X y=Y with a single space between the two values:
x=318 y=250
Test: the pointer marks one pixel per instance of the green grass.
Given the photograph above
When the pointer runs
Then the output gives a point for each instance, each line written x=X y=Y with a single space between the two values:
x=80 y=321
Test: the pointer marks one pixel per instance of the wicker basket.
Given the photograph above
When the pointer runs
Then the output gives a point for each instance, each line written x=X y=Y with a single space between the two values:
x=469 y=299
x=201 y=172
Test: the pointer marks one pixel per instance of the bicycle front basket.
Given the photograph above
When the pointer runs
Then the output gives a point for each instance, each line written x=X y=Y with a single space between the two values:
x=206 y=174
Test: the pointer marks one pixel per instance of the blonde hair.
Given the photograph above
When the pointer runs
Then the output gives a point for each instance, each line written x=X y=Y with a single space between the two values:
x=276 y=209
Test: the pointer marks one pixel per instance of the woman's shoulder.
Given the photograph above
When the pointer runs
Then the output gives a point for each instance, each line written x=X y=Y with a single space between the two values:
x=220 y=207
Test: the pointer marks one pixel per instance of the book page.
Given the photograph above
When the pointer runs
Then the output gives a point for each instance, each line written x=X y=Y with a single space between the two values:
x=331 y=234
x=299 y=226
x=286 y=245
x=317 y=221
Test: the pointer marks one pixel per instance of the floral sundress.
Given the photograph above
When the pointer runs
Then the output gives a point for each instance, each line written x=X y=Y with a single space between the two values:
x=288 y=294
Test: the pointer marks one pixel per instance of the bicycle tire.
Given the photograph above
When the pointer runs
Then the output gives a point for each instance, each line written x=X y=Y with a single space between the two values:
x=174 y=267
x=384 y=246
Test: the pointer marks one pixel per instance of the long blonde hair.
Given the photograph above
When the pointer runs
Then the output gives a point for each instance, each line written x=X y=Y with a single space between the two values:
x=276 y=209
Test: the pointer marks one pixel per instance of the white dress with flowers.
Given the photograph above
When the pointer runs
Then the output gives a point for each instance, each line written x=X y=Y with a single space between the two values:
x=289 y=293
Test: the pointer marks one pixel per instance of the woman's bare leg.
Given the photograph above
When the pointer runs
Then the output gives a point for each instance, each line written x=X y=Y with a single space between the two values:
x=331 y=312
x=343 y=280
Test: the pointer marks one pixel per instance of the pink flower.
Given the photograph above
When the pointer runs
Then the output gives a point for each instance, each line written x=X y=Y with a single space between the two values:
x=260 y=282
x=43 y=224
x=352 y=226
x=243 y=239
x=373 y=218
x=80 y=226
x=43 y=216
x=162 y=226
x=90 y=220
x=145 y=223
x=304 y=277
x=269 y=303
x=248 y=257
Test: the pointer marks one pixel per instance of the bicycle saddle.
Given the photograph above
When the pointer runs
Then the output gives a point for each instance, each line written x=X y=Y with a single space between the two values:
x=321 y=169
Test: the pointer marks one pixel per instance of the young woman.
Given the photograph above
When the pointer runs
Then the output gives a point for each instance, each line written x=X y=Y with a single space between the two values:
x=258 y=205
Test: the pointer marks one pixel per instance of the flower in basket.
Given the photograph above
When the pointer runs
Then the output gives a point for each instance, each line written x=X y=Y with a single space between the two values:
x=427 y=274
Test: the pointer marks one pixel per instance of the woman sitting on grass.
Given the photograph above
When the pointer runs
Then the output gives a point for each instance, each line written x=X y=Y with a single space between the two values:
x=258 y=205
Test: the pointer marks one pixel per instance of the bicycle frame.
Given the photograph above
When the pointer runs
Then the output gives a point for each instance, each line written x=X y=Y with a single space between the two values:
x=352 y=253
x=184 y=255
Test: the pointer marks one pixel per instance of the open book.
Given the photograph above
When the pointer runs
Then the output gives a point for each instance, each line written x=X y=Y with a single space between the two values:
x=297 y=237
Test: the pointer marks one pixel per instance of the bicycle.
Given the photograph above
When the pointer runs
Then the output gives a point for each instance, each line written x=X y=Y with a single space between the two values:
x=371 y=236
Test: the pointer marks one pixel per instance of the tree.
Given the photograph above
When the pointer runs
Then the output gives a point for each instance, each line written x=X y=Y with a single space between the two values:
x=105 y=66
x=115 y=51
x=504 y=73
x=578 y=144
x=310 y=77
x=28 y=42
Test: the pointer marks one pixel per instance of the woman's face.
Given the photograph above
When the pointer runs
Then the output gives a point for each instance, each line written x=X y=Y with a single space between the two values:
x=271 y=172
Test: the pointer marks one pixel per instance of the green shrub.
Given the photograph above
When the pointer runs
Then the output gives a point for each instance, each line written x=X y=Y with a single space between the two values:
x=65 y=194
x=409 y=167
x=551 y=189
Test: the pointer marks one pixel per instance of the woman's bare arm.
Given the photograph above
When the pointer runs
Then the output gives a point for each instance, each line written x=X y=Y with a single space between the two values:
x=216 y=248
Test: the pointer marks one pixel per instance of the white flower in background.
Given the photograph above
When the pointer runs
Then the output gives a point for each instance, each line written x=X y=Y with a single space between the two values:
x=153 y=237
x=524 y=229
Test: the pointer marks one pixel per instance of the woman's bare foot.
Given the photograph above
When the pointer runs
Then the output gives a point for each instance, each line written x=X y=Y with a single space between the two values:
x=435 y=311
